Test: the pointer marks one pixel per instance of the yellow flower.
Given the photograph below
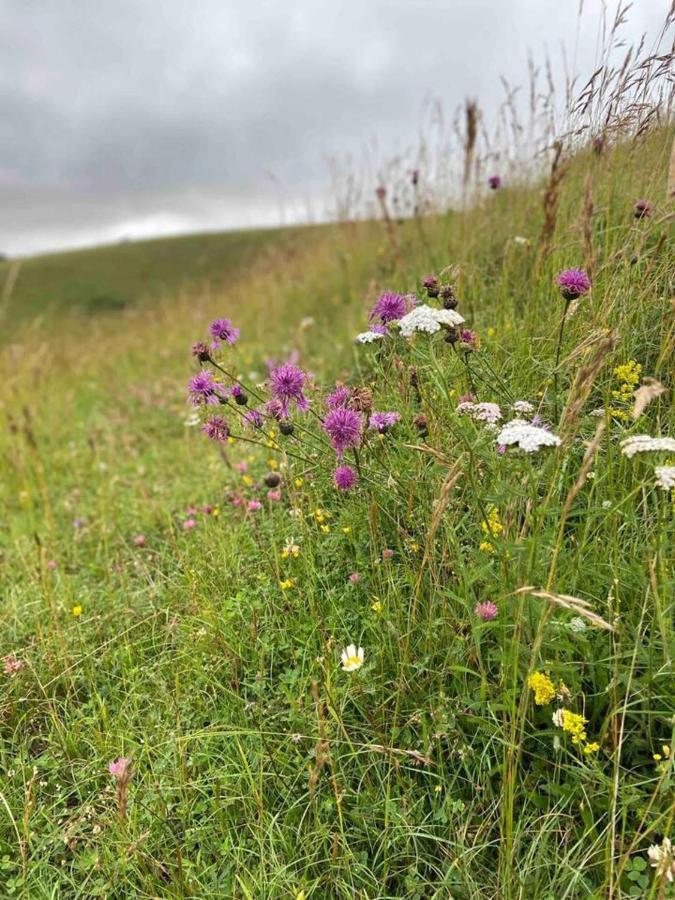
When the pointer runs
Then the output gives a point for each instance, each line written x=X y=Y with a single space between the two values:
x=571 y=723
x=377 y=606
x=298 y=482
x=272 y=464
x=215 y=511
x=486 y=547
x=629 y=372
x=492 y=525
x=347 y=529
x=286 y=584
x=77 y=611
x=543 y=687
x=591 y=748
x=230 y=440
x=325 y=529
x=300 y=895
x=248 y=481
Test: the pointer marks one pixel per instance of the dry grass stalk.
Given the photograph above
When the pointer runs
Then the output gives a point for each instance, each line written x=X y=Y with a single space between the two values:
x=322 y=748
x=584 y=382
x=419 y=759
x=587 y=227
x=551 y=200
x=586 y=464
x=471 y=121
x=574 y=604
x=649 y=390
x=670 y=190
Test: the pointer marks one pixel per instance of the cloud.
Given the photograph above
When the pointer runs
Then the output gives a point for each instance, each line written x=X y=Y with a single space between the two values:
x=117 y=115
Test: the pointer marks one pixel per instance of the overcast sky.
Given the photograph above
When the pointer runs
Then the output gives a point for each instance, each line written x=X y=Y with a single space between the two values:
x=142 y=117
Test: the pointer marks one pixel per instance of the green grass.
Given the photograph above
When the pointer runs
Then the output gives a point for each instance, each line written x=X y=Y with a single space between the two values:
x=261 y=768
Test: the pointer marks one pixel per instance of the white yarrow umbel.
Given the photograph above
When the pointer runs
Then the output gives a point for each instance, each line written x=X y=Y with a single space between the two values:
x=643 y=443
x=367 y=337
x=428 y=319
x=352 y=659
x=528 y=437
x=665 y=477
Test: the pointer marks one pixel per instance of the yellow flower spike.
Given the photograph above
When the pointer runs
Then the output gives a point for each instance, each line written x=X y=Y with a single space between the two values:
x=593 y=747
x=543 y=687
x=77 y=611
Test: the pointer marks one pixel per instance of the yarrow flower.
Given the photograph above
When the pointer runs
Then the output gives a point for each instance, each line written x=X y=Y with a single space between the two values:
x=352 y=659
x=543 y=687
x=573 y=283
x=287 y=384
x=643 y=443
x=383 y=421
x=216 y=428
x=204 y=390
x=343 y=426
x=222 y=330
x=368 y=337
x=665 y=477
x=523 y=407
x=662 y=859
x=390 y=306
x=428 y=319
x=527 y=436
x=344 y=478
x=487 y=412
x=487 y=611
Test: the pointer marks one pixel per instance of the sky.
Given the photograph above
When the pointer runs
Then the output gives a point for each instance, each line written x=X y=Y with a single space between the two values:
x=133 y=118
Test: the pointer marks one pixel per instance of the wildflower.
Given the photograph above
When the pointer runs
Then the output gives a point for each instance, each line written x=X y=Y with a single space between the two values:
x=390 y=307
x=527 y=436
x=223 y=330
x=387 y=553
x=354 y=578
x=486 y=412
x=189 y=524
x=377 y=606
x=347 y=529
x=573 y=283
x=201 y=351
x=643 y=443
x=120 y=769
x=274 y=495
x=77 y=610
x=361 y=399
x=287 y=385
x=79 y=523
x=663 y=859
x=494 y=182
x=642 y=209
x=339 y=398
x=139 y=540
x=486 y=611
x=290 y=549
x=468 y=339
x=286 y=584
x=253 y=505
x=577 y=625
x=343 y=426
x=216 y=428
x=52 y=564
x=383 y=421
x=253 y=417
x=239 y=394
x=592 y=747
x=492 y=526
x=344 y=478
x=523 y=241
x=428 y=319
x=523 y=407
x=571 y=723
x=241 y=467
x=367 y=337
x=665 y=751
x=665 y=477
x=421 y=423
x=543 y=687
x=204 y=390
x=352 y=659
x=430 y=285
x=13 y=664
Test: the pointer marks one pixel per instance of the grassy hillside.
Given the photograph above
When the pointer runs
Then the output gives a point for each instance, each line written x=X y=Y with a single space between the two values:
x=160 y=605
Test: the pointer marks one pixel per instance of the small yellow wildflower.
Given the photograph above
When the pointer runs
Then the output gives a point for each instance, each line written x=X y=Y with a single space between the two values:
x=492 y=526
x=298 y=482
x=286 y=584
x=215 y=511
x=593 y=747
x=77 y=611
x=377 y=606
x=248 y=481
x=543 y=687
x=486 y=547
x=230 y=440
x=347 y=529
x=325 y=529
x=272 y=464
x=438 y=788
x=300 y=895
x=290 y=549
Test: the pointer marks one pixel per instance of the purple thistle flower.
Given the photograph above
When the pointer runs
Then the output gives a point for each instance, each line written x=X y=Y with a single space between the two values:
x=383 y=421
x=216 y=428
x=253 y=505
x=274 y=409
x=486 y=611
x=253 y=418
x=287 y=384
x=201 y=351
x=573 y=283
x=203 y=389
x=223 y=330
x=468 y=339
x=344 y=478
x=431 y=285
x=494 y=182
x=343 y=426
x=340 y=397
x=389 y=307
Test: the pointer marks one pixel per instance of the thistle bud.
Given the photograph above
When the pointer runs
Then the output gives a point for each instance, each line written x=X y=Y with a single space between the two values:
x=286 y=428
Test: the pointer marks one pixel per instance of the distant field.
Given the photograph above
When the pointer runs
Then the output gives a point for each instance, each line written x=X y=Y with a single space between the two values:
x=120 y=276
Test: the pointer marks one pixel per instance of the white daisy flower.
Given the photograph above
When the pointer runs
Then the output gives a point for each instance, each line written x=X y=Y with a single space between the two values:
x=523 y=406
x=352 y=659
x=643 y=443
x=528 y=437
x=665 y=477
x=367 y=337
x=428 y=319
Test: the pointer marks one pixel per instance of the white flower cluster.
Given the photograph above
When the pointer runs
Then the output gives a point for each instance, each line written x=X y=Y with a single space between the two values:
x=427 y=318
x=482 y=412
x=529 y=438
x=643 y=443
x=522 y=407
x=665 y=477
x=662 y=859
x=367 y=337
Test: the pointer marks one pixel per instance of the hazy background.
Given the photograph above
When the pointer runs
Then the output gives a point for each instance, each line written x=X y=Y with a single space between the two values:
x=135 y=118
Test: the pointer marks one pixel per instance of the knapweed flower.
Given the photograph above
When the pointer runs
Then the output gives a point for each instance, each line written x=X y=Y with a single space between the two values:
x=287 y=384
x=222 y=330
x=643 y=443
x=543 y=687
x=389 y=307
x=494 y=182
x=368 y=337
x=343 y=426
x=120 y=769
x=253 y=417
x=139 y=540
x=468 y=339
x=239 y=394
x=662 y=859
x=344 y=478
x=642 y=209
x=524 y=407
x=253 y=505
x=527 y=436
x=428 y=319
x=431 y=285
x=216 y=428
x=204 y=390
x=665 y=477
x=201 y=351
x=339 y=398
x=573 y=283
x=13 y=664
x=352 y=659
x=383 y=421
x=387 y=553
x=487 y=611
x=274 y=495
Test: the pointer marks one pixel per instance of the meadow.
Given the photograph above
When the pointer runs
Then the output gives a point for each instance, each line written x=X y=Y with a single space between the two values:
x=315 y=654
